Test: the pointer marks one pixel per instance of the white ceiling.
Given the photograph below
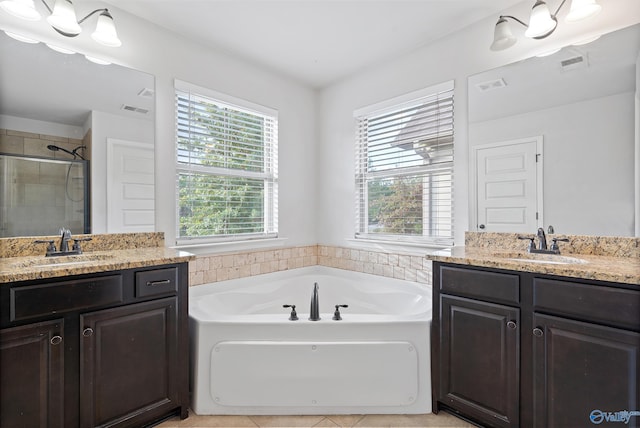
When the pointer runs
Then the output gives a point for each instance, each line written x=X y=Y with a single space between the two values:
x=317 y=42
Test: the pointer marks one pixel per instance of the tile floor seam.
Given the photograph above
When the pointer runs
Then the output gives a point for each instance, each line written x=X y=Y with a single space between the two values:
x=347 y=426
x=254 y=422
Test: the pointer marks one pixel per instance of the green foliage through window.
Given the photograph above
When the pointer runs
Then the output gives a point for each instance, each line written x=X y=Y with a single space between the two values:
x=404 y=169
x=227 y=169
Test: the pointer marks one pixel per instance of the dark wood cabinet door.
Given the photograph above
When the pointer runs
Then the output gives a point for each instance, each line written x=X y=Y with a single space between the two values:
x=479 y=360
x=32 y=376
x=128 y=361
x=597 y=364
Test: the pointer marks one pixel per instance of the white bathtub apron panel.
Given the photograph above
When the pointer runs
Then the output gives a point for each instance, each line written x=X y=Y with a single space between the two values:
x=264 y=373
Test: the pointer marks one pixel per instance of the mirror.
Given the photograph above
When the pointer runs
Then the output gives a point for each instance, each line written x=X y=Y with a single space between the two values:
x=48 y=98
x=582 y=102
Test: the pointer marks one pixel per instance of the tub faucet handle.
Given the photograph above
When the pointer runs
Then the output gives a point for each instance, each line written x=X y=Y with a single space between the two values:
x=294 y=314
x=336 y=314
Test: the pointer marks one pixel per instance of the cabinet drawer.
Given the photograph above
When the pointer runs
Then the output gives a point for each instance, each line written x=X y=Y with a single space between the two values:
x=497 y=287
x=38 y=300
x=608 y=305
x=157 y=281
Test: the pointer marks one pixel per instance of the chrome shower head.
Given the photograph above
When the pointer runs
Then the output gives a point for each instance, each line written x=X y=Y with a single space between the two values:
x=73 y=153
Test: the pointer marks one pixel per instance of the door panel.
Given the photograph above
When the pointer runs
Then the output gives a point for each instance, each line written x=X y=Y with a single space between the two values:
x=507 y=186
x=130 y=187
x=127 y=358
x=486 y=386
x=32 y=374
x=597 y=363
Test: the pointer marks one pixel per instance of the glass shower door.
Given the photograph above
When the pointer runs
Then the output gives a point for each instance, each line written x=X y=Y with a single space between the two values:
x=38 y=196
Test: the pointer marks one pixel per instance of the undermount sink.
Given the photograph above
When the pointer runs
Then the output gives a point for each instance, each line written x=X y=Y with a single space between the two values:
x=64 y=260
x=552 y=259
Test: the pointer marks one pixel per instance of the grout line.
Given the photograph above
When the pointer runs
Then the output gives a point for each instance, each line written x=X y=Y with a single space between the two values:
x=254 y=422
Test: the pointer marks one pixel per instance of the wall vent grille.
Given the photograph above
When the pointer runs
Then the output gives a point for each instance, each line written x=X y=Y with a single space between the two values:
x=134 y=109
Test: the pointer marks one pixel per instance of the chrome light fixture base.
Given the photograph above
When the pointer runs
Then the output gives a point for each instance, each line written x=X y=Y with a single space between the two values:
x=63 y=20
x=542 y=23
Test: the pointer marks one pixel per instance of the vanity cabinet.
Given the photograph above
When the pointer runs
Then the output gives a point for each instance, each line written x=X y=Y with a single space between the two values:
x=100 y=350
x=32 y=375
x=478 y=344
x=521 y=349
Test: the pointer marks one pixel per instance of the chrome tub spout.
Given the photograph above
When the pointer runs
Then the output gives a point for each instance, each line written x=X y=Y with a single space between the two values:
x=314 y=313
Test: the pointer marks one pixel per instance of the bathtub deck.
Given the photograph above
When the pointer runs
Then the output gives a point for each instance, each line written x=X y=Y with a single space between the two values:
x=430 y=420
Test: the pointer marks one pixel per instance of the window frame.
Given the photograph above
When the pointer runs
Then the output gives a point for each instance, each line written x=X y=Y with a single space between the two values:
x=363 y=175
x=269 y=175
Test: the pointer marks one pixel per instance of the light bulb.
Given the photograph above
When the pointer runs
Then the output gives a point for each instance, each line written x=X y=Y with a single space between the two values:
x=105 y=33
x=541 y=23
x=63 y=18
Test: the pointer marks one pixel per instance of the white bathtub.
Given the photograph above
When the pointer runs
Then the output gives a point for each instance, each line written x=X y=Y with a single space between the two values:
x=247 y=357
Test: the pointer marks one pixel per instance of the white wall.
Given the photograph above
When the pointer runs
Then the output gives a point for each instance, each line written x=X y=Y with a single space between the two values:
x=154 y=50
x=455 y=56
x=588 y=152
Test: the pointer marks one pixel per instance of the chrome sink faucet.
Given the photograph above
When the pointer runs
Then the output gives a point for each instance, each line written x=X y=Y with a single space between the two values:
x=542 y=239
x=314 y=313
x=542 y=243
x=65 y=237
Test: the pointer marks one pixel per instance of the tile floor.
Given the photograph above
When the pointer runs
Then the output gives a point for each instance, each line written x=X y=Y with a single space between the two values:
x=430 y=420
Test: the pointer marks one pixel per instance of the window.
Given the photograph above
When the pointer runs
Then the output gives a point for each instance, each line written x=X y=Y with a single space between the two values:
x=227 y=166
x=404 y=168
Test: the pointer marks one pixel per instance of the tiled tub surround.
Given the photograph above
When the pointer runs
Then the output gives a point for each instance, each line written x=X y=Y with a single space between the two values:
x=610 y=259
x=220 y=267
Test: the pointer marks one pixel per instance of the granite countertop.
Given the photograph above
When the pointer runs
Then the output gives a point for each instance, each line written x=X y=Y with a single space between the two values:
x=22 y=261
x=14 y=269
x=585 y=266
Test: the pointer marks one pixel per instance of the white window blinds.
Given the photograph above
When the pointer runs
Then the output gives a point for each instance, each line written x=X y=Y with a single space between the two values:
x=404 y=168
x=227 y=166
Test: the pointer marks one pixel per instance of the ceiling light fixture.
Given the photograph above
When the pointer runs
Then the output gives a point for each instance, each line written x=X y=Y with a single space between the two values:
x=63 y=19
x=541 y=22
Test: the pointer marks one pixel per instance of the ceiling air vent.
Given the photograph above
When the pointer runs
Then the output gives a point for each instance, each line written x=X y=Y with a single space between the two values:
x=573 y=63
x=134 y=109
x=146 y=93
x=491 y=85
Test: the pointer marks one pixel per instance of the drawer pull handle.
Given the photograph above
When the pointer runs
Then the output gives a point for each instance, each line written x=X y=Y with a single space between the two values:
x=56 y=340
x=538 y=332
x=154 y=283
x=512 y=325
x=87 y=332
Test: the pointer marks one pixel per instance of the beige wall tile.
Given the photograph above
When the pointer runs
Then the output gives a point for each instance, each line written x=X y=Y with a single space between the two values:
x=12 y=144
x=22 y=134
x=213 y=268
